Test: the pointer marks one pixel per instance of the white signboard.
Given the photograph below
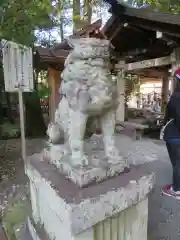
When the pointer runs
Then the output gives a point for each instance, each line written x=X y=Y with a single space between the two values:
x=18 y=67
x=18 y=76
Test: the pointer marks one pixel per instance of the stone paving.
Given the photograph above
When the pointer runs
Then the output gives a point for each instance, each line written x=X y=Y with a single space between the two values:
x=164 y=212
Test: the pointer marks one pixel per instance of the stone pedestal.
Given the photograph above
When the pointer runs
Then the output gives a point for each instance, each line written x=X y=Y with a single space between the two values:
x=97 y=170
x=116 y=208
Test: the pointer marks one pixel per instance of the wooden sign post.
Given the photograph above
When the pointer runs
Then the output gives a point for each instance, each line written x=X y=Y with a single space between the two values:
x=22 y=124
x=18 y=77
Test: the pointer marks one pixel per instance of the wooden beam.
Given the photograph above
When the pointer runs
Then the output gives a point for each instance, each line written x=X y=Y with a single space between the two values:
x=53 y=78
x=150 y=73
x=172 y=59
x=115 y=33
x=153 y=26
x=108 y=24
x=163 y=61
x=149 y=14
x=159 y=34
x=170 y=40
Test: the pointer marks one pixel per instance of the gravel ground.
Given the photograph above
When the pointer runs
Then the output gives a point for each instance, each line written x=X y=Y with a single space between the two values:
x=13 y=179
x=164 y=212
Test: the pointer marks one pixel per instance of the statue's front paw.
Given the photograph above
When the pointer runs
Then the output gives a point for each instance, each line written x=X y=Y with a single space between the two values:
x=114 y=156
x=79 y=160
x=55 y=133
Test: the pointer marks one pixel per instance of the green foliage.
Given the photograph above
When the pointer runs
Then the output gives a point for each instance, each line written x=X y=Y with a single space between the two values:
x=19 y=19
x=43 y=91
x=76 y=17
x=132 y=85
x=44 y=42
x=15 y=215
x=168 y=6
x=9 y=131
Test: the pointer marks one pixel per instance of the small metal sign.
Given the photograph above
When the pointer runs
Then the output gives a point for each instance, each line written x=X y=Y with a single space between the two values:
x=18 y=67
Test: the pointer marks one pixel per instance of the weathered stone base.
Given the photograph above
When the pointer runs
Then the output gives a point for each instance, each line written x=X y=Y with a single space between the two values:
x=128 y=224
x=97 y=170
x=115 y=206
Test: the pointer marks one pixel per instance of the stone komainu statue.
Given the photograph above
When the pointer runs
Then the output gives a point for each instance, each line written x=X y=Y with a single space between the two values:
x=88 y=92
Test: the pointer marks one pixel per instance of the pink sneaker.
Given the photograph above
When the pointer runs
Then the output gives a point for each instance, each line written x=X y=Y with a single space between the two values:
x=168 y=191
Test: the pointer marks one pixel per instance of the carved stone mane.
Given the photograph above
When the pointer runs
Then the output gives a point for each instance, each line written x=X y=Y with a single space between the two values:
x=87 y=91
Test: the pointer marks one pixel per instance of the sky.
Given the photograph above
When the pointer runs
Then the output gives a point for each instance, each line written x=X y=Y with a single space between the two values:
x=98 y=13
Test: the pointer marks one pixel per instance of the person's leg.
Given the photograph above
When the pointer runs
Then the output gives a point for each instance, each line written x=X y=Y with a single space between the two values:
x=174 y=154
x=176 y=171
x=172 y=158
x=169 y=146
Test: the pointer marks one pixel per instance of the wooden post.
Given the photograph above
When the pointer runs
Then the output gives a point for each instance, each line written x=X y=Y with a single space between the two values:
x=120 y=113
x=171 y=80
x=54 y=82
x=52 y=104
x=165 y=91
x=22 y=124
x=175 y=56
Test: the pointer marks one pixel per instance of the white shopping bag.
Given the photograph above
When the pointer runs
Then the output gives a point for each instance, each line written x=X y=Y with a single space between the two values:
x=163 y=129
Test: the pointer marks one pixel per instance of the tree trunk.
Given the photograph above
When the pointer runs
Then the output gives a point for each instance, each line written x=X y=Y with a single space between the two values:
x=61 y=29
x=9 y=109
x=35 y=126
x=1 y=109
x=87 y=11
x=76 y=15
x=1 y=95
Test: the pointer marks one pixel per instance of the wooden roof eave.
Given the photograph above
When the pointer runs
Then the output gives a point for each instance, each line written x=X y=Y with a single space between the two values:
x=57 y=54
x=109 y=24
x=147 y=25
x=168 y=24
x=149 y=14
x=43 y=57
x=146 y=28
x=145 y=13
